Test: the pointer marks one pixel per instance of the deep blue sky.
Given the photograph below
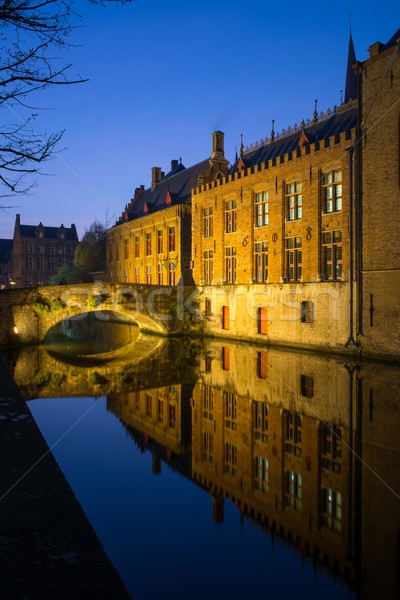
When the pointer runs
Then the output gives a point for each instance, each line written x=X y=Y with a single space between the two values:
x=164 y=74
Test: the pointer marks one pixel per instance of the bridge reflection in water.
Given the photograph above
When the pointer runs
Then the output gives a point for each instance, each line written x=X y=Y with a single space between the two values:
x=304 y=447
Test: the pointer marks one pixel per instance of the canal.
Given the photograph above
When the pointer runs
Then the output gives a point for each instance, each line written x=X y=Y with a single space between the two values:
x=225 y=470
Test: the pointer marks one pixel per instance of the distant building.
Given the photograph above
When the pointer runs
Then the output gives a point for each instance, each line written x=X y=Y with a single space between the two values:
x=5 y=263
x=39 y=251
x=152 y=241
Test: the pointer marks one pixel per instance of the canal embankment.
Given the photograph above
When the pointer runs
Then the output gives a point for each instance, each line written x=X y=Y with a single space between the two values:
x=48 y=548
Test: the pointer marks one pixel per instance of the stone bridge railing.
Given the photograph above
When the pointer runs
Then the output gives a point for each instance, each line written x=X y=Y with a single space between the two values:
x=26 y=315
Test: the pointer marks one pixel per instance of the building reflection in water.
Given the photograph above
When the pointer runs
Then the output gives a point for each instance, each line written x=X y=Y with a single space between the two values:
x=306 y=446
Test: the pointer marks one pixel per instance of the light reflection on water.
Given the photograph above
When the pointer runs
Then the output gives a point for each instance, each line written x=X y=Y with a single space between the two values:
x=237 y=478
x=158 y=530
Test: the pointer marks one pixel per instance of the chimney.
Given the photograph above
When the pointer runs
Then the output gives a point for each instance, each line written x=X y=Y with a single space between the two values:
x=218 y=145
x=174 y=164
x=375 y=49
x=155 y=177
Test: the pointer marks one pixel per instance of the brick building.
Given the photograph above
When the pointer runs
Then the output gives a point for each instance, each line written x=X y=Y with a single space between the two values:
x=151 y=243
x=39 y=251
x=5 y=263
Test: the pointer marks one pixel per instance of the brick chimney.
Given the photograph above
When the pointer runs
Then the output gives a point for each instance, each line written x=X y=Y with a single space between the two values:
x=156 y=176
x=218 y=145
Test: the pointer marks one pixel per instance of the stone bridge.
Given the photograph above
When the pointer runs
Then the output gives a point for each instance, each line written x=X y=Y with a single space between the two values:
x=26 y=315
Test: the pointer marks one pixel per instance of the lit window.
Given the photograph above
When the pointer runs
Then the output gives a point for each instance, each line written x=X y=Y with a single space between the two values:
x=294 y=201
x=332 y=191
x=171 y=239
x=172 y=273
x=230 y=410
x=261 y=209
x=137 y=246
x=160 y=241
x=331 y=509
x=160 y=275
x=331 y=447
x=148 y=244
x=261 y=474
x=260 y=421
x=148 y=274
x=293 y=490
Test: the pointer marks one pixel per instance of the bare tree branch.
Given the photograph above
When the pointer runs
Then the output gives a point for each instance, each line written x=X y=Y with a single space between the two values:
x=33 y=35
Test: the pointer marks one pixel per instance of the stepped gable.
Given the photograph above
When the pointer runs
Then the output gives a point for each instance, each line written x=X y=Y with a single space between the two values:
x=338 y=122
x=174 y=188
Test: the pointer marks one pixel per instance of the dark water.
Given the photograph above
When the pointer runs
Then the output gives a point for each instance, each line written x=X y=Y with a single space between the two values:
x=243 y=472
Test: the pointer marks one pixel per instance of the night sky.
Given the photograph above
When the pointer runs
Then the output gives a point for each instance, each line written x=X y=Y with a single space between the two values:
x=163 y=75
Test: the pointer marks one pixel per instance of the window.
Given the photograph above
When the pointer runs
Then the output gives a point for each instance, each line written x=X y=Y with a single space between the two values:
x=261 y=474
x=160 y=241
x=172 y=416
x=261 y=209
x=307 y=386
x=160 y=275
x=52 y=250
x=262 y=364
x=292 y=432
x=230 y=216
x=208 y=266
x=230 y=459
x=40 y=249
x=307 y=311
x=293 y=258
x=331 y=509
x=260 y=421
x=230 y=264
x=208 y=403
x=225 y=359
x=29 y=263
x=149 y=402
x=262 y=320
x=207 y=307
x=332 y=191
x=207 y=222
x=261 y=262
x=331 y=447
x=52 y=263
x=148 y=274
x=126 y=249
x=137 y=246
x=171 y=239
x=137 y=274
x=332 y=255
x=208 y=363
x=126 y=274
x=40 y=263
x=293 y=486
x=230 y=410
x=294 y=201
x=160 y=416
x=225 y=317
x=172 y=273
x=148 y=244
x=62 y=251
x=29 y=250
x=208 y=446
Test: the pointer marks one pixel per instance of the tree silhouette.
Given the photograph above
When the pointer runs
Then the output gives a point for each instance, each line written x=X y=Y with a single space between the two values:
x=32 y=37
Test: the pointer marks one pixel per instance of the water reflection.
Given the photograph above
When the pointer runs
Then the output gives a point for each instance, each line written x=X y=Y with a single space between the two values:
x=92 y=333
x=304 y=446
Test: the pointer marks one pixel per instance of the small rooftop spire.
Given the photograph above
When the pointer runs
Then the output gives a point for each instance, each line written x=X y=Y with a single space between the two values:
x=273 y=130
x=315 y=113
x=241 y=145
x=350 y=92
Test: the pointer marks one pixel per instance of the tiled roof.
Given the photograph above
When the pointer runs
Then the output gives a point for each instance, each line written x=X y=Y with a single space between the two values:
x=49 y=233
x=337 y=123
x=174 y=188
x=393 y=40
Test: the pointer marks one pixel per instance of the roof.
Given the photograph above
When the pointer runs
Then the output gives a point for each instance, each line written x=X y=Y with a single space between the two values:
x=174 y=188
x=393 y=40
x=5 y=250
x=335 y=124
x=49 y=233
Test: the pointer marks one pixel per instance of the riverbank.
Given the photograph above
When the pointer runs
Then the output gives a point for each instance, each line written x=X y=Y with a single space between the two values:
x=48 y=549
